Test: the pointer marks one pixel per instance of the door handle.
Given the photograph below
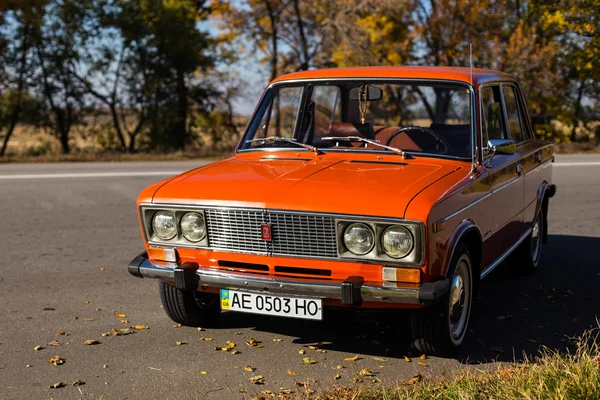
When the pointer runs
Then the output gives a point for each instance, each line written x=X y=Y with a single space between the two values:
x=519 y=169
x=538 y=157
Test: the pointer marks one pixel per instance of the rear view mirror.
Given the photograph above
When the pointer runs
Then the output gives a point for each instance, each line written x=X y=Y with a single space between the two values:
x=373 y=93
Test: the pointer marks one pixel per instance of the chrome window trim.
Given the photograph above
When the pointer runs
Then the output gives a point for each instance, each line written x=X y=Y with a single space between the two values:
x=520 y=100
x=420 y=228
x=423 y=80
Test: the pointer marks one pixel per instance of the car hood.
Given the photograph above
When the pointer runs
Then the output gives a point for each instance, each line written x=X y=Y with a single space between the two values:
x=319 y=185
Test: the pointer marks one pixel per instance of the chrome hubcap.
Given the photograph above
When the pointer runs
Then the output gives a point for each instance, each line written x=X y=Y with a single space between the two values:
x=536 y=240
x=459 y=299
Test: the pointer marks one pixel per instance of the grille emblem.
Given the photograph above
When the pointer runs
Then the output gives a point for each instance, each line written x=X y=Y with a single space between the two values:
x=265 y=230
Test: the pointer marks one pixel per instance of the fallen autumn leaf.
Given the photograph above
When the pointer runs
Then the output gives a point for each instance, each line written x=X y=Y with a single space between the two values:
x=56 y=360
x=415 y=379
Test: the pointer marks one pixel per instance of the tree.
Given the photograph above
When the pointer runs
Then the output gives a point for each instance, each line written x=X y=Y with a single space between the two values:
x=285 y=32
x=165 y=50
x=16 y=67
x=369 y=32
x=57 y=41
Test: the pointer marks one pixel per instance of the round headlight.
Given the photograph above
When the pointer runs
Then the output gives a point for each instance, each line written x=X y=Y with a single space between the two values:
x=164 y=226
x=193 y=227
x=359 y=238
x=397 y=241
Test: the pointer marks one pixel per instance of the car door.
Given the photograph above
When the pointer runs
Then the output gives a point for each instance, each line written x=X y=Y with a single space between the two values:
x=533 y=154
x=506 y=176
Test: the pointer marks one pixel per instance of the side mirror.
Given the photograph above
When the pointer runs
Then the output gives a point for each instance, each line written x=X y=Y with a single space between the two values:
x=499 y=146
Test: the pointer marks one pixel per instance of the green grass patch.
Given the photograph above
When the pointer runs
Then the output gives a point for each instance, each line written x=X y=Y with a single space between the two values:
x=551 y=375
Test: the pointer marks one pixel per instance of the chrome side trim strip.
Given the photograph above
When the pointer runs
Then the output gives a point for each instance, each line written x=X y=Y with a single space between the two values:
x=505 y=254
x=455 y=213
x=505 y=185
x=305 y=287
x=538 y=166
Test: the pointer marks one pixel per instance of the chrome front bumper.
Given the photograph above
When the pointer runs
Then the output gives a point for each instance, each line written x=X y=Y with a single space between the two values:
x=352 y=291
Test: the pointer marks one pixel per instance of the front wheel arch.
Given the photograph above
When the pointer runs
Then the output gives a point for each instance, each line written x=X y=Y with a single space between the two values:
x=469 y=234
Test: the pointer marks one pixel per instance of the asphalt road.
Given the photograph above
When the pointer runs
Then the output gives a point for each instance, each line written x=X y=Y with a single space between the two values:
x=67 y=232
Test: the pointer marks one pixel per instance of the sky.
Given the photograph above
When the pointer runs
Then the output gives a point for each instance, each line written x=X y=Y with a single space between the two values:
x=249 y=69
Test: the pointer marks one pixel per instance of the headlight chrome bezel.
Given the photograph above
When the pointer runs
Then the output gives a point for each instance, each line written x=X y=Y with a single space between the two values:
x=148 y=212
x=414 y=257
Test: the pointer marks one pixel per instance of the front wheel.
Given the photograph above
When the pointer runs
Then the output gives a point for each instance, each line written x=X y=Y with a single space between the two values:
x=191 y=308
x=441 y=329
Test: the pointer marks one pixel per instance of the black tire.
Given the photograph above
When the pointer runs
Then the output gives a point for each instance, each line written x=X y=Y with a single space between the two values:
x=526 y=258
x=437 y=331
x=190 y=308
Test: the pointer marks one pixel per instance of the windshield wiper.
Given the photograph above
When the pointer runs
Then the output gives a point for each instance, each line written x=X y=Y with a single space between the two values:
x=287 y=140
x=364 y=140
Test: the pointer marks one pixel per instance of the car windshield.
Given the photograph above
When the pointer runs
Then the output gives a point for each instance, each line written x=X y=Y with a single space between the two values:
x=427 y=118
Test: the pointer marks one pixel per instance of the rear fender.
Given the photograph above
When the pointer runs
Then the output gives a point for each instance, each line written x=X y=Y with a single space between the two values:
x=543 y=195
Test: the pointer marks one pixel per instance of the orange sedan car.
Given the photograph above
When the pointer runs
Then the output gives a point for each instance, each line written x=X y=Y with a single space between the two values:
x=395 y=187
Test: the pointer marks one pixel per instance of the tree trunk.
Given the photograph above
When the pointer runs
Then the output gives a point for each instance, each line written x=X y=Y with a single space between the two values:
x=182 y=109
x=117 y=126
x=274 y=33
x=304 y=63
x=577 y=111
x=20 y=86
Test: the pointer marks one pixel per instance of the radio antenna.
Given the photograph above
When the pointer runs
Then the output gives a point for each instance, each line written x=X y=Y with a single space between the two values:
x=471 y=60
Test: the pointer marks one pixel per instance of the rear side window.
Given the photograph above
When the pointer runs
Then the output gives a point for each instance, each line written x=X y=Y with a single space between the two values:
x=513 y=114
x=491 y=107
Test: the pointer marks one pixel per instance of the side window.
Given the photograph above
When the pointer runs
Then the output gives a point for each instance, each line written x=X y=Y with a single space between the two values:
x=491 y=108
x=327 y=108
x=513 y=115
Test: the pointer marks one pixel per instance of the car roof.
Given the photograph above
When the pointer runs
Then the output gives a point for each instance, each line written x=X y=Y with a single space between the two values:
x=460 y=74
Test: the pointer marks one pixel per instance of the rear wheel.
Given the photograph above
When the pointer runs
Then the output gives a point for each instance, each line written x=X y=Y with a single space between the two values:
x=191 y=308
x=441 y=329
x=527 y=256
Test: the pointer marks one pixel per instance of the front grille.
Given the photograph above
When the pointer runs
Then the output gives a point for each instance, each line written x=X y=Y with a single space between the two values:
x=292 y=233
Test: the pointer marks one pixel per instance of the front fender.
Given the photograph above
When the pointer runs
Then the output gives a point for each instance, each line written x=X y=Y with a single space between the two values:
x=465 y=230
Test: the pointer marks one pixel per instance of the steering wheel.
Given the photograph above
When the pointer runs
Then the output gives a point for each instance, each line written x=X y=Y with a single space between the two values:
x=437 y=137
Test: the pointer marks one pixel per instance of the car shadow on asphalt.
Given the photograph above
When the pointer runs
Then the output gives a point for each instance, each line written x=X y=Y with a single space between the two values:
x=513 y=316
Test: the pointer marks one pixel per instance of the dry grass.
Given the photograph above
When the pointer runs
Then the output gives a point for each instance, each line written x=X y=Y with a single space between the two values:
x=92 y=142
x=551 y=375
x=32 y=145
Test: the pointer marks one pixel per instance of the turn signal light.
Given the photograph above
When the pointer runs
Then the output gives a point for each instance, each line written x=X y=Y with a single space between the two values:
x=408 y=275
x=158 y=254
